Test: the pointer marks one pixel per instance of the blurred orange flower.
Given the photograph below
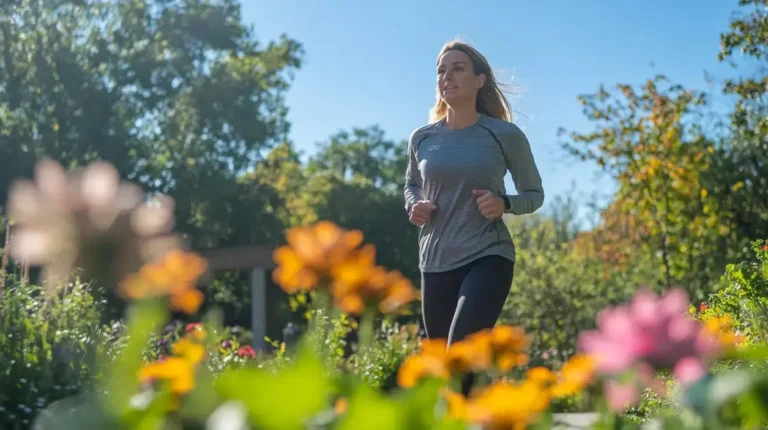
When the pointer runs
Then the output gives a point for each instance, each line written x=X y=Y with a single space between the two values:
x=576 y=373
x=356 y=285
x=174 y=276
x=502 y=405
x=177 y=371
x=311 y=253
x=721 y=329
x=188 y=349
x=430 y=362
x=472 y=354
x=325 y=253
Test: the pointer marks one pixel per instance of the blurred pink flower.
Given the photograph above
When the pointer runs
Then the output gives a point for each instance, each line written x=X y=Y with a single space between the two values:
x=86 y=219
x=621 y=396
x=650 y=330
x=689 y=370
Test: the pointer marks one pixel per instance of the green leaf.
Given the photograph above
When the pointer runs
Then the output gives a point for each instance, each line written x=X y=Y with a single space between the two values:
x=757 y=353
x=73 y=413
x=287 y=400
x=144 y=319
x=370 y=410
x=409 y=409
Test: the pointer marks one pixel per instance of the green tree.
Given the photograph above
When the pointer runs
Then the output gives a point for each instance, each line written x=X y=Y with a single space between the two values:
x=653 y=144
x=742 y=168
x=178 y=95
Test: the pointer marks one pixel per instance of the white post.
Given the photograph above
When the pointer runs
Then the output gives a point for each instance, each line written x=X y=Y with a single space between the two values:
x=259 y=308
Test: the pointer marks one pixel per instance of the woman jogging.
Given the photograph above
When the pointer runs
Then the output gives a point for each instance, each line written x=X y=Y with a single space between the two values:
x=454 y=191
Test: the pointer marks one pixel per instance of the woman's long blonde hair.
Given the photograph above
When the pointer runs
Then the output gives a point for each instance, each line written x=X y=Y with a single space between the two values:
x=491 y=100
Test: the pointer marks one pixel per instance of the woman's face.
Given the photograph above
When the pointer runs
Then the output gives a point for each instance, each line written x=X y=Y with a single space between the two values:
x=456 y=80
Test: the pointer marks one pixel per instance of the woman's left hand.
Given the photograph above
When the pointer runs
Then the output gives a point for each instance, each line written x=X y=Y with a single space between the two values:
x=490 y=204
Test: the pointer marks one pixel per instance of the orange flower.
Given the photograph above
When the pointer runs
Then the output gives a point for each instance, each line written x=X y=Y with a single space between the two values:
x=504 y=344
x=178 y=370
x=174 y=276
x=575 y=374
x=721 y=329
x=429 y=363
x=472 y=354
x=326 y=253
x=399 y=293
x=357 y=283
x=175 y=370
x=350 y=303
x=341 y=406
x=291 y=274
x=541 y=375
x=357 y=269
x=457 y=405
x=187 y=301
x=188 y=349
x=504 y=405
x=508 y=343
x=311 y=253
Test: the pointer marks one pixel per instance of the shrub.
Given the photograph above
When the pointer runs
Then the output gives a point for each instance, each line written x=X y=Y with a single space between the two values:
x=47 y=348
x=742 y=294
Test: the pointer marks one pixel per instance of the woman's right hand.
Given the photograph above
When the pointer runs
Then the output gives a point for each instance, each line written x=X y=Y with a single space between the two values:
x=420 y=212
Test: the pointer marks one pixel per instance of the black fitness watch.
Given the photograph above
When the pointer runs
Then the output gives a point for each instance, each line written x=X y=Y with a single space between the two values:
x=507 y=204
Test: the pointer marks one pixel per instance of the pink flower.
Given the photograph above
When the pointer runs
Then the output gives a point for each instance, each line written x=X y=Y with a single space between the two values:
x=689 y=370
x=193 y=326
x=650 y=330
x=621 y=396
x=246 y=351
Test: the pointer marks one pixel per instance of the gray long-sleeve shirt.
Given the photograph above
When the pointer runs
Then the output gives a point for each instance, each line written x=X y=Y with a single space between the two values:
x=445 y=165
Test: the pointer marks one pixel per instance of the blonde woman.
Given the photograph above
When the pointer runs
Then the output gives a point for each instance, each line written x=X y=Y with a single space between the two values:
x=454 y=192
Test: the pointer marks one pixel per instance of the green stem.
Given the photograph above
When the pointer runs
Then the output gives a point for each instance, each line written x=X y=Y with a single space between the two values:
x=366 y=330
x=320 y=306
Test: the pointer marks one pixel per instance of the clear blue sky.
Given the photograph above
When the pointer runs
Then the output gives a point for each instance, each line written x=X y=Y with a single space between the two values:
x=373 y=62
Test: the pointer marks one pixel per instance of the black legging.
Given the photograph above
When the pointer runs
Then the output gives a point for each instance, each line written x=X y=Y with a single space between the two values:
x=481 y=287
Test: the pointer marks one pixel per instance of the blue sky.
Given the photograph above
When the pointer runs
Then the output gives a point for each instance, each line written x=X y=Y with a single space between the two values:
x=371 y=62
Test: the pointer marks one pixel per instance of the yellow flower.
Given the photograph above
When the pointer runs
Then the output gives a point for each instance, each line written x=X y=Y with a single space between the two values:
x=178 y=372
x=341 y=406
x=506 y=405
x=541 y=375
x=575 y=374
x=430 y=362
x=721 y=328
x=188 y=349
